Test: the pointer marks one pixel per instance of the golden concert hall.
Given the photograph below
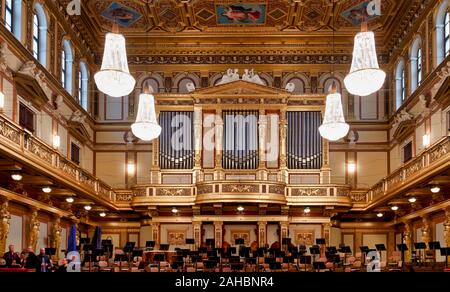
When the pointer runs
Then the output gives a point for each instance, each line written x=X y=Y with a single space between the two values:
x=225 y=136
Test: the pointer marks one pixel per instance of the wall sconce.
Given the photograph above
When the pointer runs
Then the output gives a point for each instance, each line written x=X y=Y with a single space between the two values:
x=426 y=140
x=351 y=166
x=131 y=168
x=2 y=100
x=56 y=142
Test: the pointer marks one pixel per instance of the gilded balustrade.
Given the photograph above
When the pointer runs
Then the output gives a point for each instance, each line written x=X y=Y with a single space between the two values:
x=22 y=145
x=427 y=163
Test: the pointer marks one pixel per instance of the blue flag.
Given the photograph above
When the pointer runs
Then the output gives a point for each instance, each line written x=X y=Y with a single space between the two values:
x=72 y=242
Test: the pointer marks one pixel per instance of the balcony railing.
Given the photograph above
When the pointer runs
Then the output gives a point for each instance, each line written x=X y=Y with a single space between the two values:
x=24 y=146
x=426 y=164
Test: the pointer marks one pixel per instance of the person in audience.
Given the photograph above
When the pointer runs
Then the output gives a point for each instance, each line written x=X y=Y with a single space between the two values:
x=12 y=258
x=31 y=260
x=62 y=268
x=44 y=261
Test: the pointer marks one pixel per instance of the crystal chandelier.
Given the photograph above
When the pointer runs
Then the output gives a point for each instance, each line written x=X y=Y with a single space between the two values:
x=365 y=75
x=146 y=126
x=114 y=78
x=334 y=126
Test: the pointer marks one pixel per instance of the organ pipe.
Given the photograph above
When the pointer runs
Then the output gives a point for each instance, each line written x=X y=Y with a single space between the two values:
x=240 y=140
x=304 y=143
x=176 y=141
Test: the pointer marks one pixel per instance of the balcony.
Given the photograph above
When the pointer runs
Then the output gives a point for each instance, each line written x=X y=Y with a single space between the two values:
x=427 y=164
x=31 y=151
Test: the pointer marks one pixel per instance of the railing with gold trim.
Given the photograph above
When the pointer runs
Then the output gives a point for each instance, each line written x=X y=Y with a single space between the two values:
x=426 y=162
x=22 y=145
x=318 y=195
x=162 y=195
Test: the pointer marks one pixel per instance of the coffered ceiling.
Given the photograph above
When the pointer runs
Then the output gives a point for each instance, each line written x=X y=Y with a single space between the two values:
x=155 y=25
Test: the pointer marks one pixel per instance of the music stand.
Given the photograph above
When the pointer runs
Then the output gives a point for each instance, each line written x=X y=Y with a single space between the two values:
x=158 y=258
x=239 y=241
x=314 y=250
x=210 y=242
x=420 y=246
x=286 y=242
x=364 y=251
x=332 y=250
x=233 y=250
x=402 y=248
x=85 y=240
x=434 y=245
x=445 y=251
x=380 y=248
x=150 y=244
x=320 y=241
x=190 y=241
x=306 y=260
x=164 y=247
x=319 y=266
x=345 y=250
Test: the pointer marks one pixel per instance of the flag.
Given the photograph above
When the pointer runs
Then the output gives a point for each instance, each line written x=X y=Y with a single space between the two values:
x=97 y=238
x=72 y=242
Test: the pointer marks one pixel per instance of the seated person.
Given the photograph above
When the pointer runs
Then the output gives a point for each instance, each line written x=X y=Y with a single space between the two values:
x=12 y=258
x=62 y=268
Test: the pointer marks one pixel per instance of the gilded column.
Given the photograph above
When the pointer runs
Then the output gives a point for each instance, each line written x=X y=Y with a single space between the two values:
x=262 y=231
x=55 y=235
x=218 y=233
x=407 y=240
x=218 y=122
x=5 y=218
x=34 y=229
x=155 y=169
x=284 y=230
x=326 y=232
x=262 y=130
x=198 y=126
x=197 y=231
x=283 y=135
x=426 y=230
x=447 y=226
x=156 y=233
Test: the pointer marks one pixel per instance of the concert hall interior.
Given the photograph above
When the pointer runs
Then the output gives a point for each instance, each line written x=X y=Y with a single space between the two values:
x=224 y=136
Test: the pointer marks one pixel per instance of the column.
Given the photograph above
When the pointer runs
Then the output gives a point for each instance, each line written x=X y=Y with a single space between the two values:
x=55 y=235
x=155 y=233
x=155 y=169
x=284 y=230
x=5 y=218
x=447 y=226
x=197 y=231
x=198 y=138
x=262 y=233
x=218 y=123
x=407 y=239
x=326 y=227
x=262 y=130
x=218 y=233
x=426 y=230
x=283 y=135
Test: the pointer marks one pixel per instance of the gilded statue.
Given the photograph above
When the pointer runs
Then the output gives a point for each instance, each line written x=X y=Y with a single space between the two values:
x=34 y=229
x=4 y=224
x=55 y=235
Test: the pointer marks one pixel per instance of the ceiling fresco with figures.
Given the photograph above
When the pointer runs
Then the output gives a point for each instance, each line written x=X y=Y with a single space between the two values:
x=213 y=16
x=194 y=24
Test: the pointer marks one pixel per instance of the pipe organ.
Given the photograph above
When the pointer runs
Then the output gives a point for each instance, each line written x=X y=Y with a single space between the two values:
x=240 y=142
x=176 y=143
x=304 y=143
